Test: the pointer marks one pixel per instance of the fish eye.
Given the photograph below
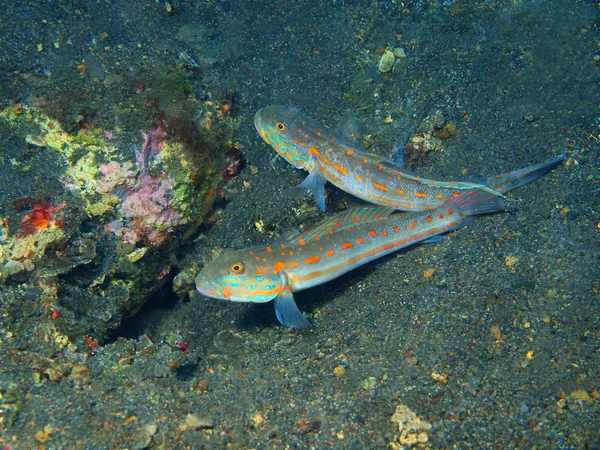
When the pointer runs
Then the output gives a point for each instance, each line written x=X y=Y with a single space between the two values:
x=236 y=267
x=280 y=126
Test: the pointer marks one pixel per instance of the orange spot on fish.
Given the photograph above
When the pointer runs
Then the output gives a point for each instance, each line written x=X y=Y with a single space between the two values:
x=396 y=228
x=312 y=259
x=450 y=211
x=340 y=169
x=373 y=233
x=440 y=196
x=293 y=264
x=337 y=224
x=381 y=187
x=314 y=151
x=302 y=242
x=269 y=249
x=355 y=220
x=441 y=216
x=384 y=233
x=291 y=253
x=420 y=194
x=360 y=240
x=378 y=216
x=317 y=237
x=380 y=168
x=400 y=191
x=455 y=194
x=350 y=152
x=279 y=266
x=428 y=219
x=413 y=225
x=365 y=161
x=347 y=245
x=282 y=245
x=359 y=178
x=330 y=253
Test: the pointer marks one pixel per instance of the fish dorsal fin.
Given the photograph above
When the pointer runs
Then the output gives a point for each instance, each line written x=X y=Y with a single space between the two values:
x=350 y=131
x=287 y=236
x=363 y=214
x=391 y=165
x=458 y=185
x=409 y=174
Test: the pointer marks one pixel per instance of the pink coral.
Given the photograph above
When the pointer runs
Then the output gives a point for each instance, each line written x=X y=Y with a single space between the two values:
x=153 y=143
x=116 y=175
x=146 y=202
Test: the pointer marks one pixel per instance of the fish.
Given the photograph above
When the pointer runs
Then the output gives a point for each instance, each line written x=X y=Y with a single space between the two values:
x=341 y=160
x=332 y=248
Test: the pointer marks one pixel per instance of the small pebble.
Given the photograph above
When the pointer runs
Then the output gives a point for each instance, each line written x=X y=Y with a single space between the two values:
x=197 y=421
x=339 y=372
x=386 y=62
x=203 y=386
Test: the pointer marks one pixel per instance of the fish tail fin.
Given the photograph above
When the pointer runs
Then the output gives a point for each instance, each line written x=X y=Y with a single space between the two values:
x=478 y=201
x=512 y=180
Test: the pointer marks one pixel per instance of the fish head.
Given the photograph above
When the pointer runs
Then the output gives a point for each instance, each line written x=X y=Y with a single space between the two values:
x=290 y=132
x=236 y=275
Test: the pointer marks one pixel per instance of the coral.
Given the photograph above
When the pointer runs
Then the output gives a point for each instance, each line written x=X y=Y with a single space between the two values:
x=410 y=429
x=42 y=217
x=80 y=152
x=31 y=247
x=234 y=162
x=146 y=200
x=148 y=209
x=115 y=175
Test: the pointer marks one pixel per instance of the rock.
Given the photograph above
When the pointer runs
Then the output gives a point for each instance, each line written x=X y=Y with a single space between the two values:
x=11 y=268
x=228 y=342
x=399 y=52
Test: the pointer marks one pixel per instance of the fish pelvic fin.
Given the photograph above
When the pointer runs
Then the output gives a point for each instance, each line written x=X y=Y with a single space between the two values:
x=478 y=201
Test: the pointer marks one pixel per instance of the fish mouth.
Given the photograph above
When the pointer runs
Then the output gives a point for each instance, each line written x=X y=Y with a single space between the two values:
x=258 y=121
x=209 y=288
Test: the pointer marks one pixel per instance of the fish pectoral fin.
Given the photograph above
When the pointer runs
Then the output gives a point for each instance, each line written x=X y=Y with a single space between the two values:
x=435 y=239
x=286 y=310
x=316 y=183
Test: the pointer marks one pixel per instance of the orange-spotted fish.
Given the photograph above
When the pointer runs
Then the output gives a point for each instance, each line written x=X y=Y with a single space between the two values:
x=308 y=145
x=339 y=244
